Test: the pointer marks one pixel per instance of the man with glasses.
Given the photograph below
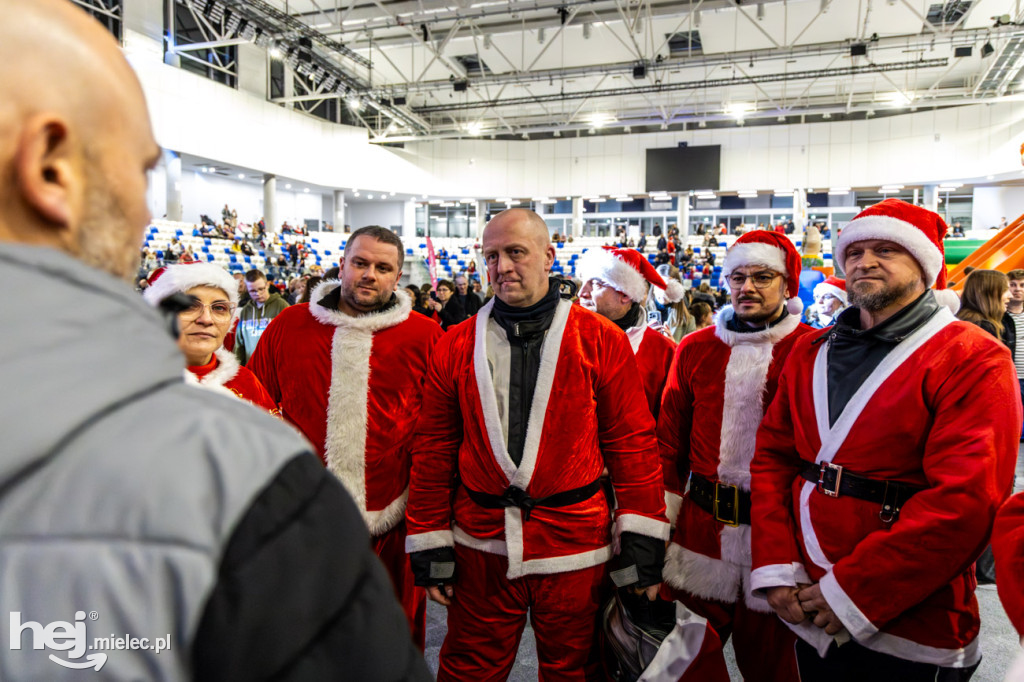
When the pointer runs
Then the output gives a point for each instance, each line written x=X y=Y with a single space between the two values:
x=720 y=382
x=263 y=306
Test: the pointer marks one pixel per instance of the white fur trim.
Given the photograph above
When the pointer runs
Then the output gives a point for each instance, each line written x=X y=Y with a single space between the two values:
x=680 y=648
x=701 y=575
x=735 y=544
x=852 y=617
x=371 y=322
x=600 y=264
x=430 y=540
x=179 y=278
x=491 y=545
x=564 y=564
x=347 y=414
x=673 y=503
x=753 y=253
x=795 y=305
x=642 y=525
x=823 y=288
x=746 y=375
x=778 y=575
x=784 y=328
x=227 y=369
x=754 y=602
x=192 y=380
x=891 y=229
x=636 y=336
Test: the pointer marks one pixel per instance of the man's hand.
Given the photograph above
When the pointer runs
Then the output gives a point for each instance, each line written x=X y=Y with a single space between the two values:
x=442 y=594
x=784 y=601
x=813 y=602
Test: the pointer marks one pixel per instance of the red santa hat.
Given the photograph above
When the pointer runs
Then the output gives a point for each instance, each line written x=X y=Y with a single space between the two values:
x=832 y=286
x=626 y=270
x=916 y=229
x=772 y=250
x=180 y=277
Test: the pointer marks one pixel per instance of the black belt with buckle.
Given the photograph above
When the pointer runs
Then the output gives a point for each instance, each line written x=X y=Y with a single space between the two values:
x=833 y=480
x=727 y=503
x=517 y=497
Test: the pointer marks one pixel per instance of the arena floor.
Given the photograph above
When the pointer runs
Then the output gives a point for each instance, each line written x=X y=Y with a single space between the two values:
x=999 y=641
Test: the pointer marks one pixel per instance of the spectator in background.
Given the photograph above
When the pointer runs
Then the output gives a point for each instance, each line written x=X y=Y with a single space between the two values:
x=446 y=306
x=1015 y=313
x=704 y=295
x=254 y=317
x=308 y=286
x=701 y=312
x=134 y=494
x=187 y=256
x=225 y=214
x=470 y=304
x=174 y=250
x=829 y=300
x=984 y=302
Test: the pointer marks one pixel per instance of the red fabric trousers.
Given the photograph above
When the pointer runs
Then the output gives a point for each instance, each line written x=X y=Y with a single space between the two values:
x=764 y=646
x=390 y=547
x=488 y=614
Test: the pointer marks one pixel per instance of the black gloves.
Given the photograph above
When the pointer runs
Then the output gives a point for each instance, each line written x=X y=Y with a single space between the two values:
x=433 y=567
x=639 y=562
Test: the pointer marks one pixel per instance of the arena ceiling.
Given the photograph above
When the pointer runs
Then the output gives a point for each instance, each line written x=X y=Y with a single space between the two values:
x=428 y=69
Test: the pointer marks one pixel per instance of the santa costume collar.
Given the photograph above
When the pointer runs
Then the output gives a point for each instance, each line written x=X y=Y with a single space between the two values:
x=215 y=380
x=371 y=322
x=771 y=335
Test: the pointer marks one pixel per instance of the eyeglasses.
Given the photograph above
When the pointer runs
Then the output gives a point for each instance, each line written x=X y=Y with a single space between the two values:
x=220 y=311
x=761 y=280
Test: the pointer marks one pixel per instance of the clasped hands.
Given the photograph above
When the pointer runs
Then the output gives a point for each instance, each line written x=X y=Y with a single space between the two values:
x=797 y=604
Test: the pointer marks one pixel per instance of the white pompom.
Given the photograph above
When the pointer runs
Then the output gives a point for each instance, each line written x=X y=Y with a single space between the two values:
x=795 y=306
x=948 y=298
x=672 y=293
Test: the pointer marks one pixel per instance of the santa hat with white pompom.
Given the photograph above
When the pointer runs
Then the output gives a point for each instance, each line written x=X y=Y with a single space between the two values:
x=771 y=250
x=626 y=270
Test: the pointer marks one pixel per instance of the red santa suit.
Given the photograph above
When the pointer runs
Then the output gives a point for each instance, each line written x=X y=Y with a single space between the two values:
x=941 y=412
x=352 y=385
x=1008 y=548
x=718 y=385
x=223 y=373
x=588 y=413
x=653 y=352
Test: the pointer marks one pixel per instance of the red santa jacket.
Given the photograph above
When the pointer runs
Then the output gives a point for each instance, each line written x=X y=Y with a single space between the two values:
x=653 y=353
x=223 y=374
x=352 y=385
x=588 y=412
x=1008 y=548
x=719 y=384
x=942 y=412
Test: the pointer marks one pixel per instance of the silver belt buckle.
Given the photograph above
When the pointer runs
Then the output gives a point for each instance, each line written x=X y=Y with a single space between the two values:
x=822 y=488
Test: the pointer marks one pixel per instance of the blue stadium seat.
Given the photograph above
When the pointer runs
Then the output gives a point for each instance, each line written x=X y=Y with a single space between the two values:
x=159 y=255
x=206 y=249
x=227 y=250
x=206 y=240
x=465 y=252
x=723 y=244
x=327 y=253
x=263 y=254
x=408 y=252
x=234 y=258
x=696 y=249
x=248 y=261
x=559 y=245
x=209 y=258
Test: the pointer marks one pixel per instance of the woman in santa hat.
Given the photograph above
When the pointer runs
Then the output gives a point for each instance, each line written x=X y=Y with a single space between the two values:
x=203 y=326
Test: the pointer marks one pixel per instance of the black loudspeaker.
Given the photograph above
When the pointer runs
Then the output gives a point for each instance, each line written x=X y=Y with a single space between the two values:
x=640 y=71
x=858 y=50
x=965 y=51
x=460 y=86
x=398 y=101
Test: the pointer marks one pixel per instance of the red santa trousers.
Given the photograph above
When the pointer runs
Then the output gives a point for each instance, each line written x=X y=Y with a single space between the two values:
x=488 y=613
x=390 y=547
x=765 y=648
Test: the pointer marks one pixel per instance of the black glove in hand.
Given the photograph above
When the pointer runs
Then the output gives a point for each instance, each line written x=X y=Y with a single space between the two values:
x=433 y=567
x=639 y=561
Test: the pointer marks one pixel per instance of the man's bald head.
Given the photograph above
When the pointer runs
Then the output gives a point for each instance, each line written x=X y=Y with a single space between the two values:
x=518 y=256
x=75 y=139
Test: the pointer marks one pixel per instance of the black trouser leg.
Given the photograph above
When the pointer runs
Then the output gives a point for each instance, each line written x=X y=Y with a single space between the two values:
x=854 y=663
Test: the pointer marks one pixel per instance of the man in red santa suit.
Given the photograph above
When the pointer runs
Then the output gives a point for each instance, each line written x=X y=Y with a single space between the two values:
x=721 y=379
x=203 y=326
x=829 y=300
x=615 y=285
x=347 y=369
x=528 y=402
x=880 y=465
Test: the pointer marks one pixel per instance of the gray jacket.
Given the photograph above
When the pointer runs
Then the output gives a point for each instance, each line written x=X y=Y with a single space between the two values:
x=135 y=506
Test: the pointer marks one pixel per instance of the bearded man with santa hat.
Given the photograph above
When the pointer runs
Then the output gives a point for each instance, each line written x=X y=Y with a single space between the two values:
x=881 y=463
x=615 y=285
x=347 y=369
x=721 y=379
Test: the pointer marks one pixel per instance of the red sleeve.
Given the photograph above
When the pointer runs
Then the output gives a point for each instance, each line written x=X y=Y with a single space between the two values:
x=969 y=461
x=628 y=443
x=252 y=390
x=262 y=364
x=1008 y=547
x=777 y=559
x=434 y=455
x=674 y=421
